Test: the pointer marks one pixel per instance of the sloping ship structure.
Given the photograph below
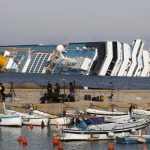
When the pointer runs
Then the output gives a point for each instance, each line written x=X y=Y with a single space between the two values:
x=106 y=58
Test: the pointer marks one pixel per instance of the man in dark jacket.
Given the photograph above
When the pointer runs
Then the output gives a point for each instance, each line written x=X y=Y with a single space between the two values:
x=49 y=91
x=71 y=95
x=2 y=95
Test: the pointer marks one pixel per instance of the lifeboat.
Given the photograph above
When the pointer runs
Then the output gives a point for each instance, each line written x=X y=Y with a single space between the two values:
x=3 y=61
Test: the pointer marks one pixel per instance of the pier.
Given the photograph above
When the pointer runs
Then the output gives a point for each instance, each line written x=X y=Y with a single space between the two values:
x=84 y=98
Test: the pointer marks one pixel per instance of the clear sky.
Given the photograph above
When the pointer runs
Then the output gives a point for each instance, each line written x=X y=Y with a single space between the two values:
x=63 y=21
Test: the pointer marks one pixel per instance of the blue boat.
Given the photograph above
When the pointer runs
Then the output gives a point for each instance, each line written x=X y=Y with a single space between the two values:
x=85 y=122
x=134 y=139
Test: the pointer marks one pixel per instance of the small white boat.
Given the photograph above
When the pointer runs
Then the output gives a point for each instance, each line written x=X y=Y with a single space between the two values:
x=141 y=112
x=60 y=121
x=90 y=136
x=10 y=120
x=103 y=131
x=118 y=119
x=40 y=113
x=35 y=120
x=28 y=119
x=103 y=112
x=54 y=119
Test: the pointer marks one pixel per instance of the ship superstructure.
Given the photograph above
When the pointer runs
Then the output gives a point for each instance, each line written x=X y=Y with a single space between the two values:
x=106 y=58
x=136 y=56
x=126 y=59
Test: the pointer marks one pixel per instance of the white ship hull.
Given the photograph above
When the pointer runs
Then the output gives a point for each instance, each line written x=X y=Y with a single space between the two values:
x=126 y=60
x=106 y=58
x=137 y=50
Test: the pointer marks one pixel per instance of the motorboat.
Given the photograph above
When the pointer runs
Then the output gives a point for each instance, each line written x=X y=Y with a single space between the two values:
x=28 y=119
x=10 y=120
x=141 y=112
x=104 y=131
x=103 y=112
x=118 y=119
x=54 y=119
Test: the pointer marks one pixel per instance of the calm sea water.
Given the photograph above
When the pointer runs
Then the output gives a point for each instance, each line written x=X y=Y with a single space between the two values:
x=41 y=139
x=101 y=82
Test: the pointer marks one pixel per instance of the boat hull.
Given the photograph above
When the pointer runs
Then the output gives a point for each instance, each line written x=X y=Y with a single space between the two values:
x=104 y=131
x=118 y=119
x=134 y=139
x=10 y=120
x=141 y=112
x=35 y=120
x=53 y=119
x=28 y=119
x=91 y=137
x=60 y=121
x=105 y=113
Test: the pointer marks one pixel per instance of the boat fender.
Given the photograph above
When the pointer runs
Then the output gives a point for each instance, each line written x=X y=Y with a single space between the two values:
x=111 y=146
x=110 y=134
x=141 y=140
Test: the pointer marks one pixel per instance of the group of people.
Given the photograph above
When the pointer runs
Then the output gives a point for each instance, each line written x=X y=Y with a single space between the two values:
x=50 y=88
x=54 y=95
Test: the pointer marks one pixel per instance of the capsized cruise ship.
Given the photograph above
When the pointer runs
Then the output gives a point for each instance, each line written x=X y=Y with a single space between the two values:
x=106 y=58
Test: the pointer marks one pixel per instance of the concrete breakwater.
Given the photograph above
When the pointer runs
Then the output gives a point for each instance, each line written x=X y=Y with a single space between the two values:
x=33 y=95
x=121 y=98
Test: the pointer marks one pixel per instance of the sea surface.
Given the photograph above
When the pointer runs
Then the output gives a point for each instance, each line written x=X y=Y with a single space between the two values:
x=101 y=82
x=41 y=139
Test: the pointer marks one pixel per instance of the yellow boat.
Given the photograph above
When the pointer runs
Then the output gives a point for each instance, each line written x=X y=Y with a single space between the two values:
x=3 y=61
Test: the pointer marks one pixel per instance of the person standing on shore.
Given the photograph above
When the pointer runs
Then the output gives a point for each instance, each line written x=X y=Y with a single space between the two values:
x=57 y=92
x=57 y=89
x=2 y=95
x=71 y=95
x=49 y=91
